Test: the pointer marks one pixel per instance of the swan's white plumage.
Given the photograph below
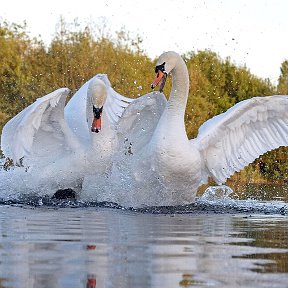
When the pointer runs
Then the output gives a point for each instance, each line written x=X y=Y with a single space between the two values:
x=45 y=113
x=59 y=148
x=167 y=168
x=140 y=119
x=230 y=141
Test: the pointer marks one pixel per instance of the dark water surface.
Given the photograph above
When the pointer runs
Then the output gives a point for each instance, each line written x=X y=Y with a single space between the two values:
x=208 y=244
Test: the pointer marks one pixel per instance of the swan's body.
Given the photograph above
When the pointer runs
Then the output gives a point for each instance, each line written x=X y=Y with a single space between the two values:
x=167 y=168
x=60 y=149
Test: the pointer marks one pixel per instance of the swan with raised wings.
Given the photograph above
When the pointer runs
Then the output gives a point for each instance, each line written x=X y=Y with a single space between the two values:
x=59 y=147
x=164 y=167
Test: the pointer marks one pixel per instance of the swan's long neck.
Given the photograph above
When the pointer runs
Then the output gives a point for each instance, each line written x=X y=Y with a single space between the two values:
x=89 y=111
x=170 y=131
x=176 y=106
x=179 y=92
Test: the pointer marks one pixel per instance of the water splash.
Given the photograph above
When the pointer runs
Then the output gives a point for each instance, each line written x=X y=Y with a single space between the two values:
x=227 y=206
x=15 y=190
x=217 y=193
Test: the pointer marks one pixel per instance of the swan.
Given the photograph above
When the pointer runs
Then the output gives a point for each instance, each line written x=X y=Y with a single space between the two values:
x=59 y=145
x=164 y=167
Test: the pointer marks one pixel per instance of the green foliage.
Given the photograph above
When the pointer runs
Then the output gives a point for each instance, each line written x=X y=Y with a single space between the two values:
x=216 y=85
x=283 y=79
x=29 y=69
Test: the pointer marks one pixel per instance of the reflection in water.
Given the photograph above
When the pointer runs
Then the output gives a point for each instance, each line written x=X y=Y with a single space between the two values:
x=188 y=281
x=270 y=235
x=96 y=247
x=91 y=278
x=91 y=281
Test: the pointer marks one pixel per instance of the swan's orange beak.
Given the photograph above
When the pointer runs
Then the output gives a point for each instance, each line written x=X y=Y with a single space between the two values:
x=159 y=76
x=96 y=124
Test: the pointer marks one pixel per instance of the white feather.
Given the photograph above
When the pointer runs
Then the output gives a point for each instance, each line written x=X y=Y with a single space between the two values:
x=247 y=130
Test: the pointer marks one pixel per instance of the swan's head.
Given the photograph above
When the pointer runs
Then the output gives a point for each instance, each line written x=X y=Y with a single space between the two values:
x=97 y=94
x=165 y=64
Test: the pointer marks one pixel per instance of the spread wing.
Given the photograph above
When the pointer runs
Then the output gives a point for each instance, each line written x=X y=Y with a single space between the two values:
x=230 y=141
x=139 y=120
x=39 y=128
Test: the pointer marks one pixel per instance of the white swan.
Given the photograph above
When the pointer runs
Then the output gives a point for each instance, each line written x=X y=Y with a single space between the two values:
x=60 y=149
x=166 y=168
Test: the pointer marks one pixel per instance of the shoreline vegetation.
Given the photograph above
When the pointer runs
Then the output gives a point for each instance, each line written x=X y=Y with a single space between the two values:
x=30 y=69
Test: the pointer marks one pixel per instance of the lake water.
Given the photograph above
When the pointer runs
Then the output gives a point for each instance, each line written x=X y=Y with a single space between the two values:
x=212 y=243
